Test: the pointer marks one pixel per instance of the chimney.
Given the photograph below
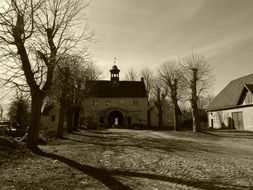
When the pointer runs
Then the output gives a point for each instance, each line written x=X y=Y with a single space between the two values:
x=142 y=79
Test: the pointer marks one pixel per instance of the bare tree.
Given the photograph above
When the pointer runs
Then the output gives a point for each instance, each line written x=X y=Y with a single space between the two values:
x=159 y=93
x=69 y=88
x=131 y=75
x=33 y=36
x=198 y=80
x=82 y=72
x=172 y=77
x=205 y=101
x=148 y=77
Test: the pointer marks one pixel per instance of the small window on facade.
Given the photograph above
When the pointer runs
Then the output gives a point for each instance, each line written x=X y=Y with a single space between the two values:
x=94 y=102
x=52 y=118
x=135 y=102
x=108 y=102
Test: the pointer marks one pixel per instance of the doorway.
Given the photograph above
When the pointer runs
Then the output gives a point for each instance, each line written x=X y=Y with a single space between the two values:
x=238 y=120
x=115 y=118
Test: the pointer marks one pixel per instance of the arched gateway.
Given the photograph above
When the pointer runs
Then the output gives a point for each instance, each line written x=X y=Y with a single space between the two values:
x=115 y=118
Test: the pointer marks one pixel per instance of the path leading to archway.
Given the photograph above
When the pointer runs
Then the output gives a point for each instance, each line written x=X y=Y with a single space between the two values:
x=134 y=159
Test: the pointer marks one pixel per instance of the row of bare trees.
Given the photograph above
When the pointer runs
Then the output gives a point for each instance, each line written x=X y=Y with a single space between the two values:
x=69 y=89
x=34 y=36
x=186 y=79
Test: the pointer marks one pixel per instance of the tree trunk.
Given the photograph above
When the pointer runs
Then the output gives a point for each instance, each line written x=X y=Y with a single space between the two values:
x=195 y=118
x=176 y=116
x=76 y=118
x=70 y=119
x=160 y=116
x=34 y=127
x=194 y=103
x=62 y=113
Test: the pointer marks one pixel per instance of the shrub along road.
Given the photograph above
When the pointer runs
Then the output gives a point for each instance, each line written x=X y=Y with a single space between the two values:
x=134 y=159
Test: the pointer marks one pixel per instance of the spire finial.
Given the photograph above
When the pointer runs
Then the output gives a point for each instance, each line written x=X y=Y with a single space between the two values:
x=115 y=59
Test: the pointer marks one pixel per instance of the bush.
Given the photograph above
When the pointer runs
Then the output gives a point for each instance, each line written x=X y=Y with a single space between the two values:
x=139 y=126
x=8 y=143
x=48 y=133
x=3 y=132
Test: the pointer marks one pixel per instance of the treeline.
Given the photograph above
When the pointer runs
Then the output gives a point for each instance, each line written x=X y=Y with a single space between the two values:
x=186 y=80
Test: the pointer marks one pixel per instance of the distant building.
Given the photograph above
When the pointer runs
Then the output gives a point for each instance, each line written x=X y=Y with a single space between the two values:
x=167 y=115
x=50 y=117
x=116 y=103
x=233 y=106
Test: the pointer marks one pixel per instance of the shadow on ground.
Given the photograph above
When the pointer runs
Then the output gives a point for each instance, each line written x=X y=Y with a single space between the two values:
x=107 y=176
x=230 y=134
x=110 y=178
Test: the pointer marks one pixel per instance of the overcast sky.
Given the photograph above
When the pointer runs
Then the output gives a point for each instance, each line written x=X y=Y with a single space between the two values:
x=147 y=32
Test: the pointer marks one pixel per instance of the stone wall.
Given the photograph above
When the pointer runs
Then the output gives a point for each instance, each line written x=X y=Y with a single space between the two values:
x=136 y=108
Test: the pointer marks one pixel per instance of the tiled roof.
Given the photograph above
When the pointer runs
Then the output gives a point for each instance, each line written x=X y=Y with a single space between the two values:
x=103 y=89
x=230 y=95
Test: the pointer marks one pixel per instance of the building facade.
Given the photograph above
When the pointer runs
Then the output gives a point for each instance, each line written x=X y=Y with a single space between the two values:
x=167 y=116
x=115 y=103
x=232 y=108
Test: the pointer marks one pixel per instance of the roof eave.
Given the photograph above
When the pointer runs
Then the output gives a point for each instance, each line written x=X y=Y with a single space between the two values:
x=229 y=107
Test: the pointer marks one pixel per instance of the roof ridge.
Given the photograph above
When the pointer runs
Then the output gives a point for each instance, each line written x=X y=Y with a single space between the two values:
x=242 y=77
x=230 y=95
x=110 y=81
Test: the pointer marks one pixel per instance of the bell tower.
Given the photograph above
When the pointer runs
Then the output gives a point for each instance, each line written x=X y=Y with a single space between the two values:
x=115 y=73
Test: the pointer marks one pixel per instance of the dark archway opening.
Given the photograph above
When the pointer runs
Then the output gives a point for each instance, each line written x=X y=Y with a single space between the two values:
x=115 y=118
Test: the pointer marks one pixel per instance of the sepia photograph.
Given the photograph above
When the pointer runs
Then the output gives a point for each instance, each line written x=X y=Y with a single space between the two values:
x=126 y=95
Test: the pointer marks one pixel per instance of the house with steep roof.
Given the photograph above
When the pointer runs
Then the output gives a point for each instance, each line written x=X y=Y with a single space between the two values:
x=233 y=106
x=115 y=102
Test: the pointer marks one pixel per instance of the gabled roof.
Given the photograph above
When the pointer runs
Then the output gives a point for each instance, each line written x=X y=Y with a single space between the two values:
x=249 y=87
x=230 y=95
x=104 y=89
x=47 y=110
x=167 y=106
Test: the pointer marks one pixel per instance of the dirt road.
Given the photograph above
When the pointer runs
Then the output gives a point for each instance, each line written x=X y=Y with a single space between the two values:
x=134 y=159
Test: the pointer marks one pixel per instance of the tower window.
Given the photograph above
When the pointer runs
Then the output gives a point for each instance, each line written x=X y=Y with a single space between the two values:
x=135 y=102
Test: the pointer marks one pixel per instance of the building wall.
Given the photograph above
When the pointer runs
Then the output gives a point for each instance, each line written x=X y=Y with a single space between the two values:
x=50 y=120
x=222 y=118
x=136 y=108
x=168 y=118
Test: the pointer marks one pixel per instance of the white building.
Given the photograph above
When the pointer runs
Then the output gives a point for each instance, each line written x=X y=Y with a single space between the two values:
x=233 y=106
